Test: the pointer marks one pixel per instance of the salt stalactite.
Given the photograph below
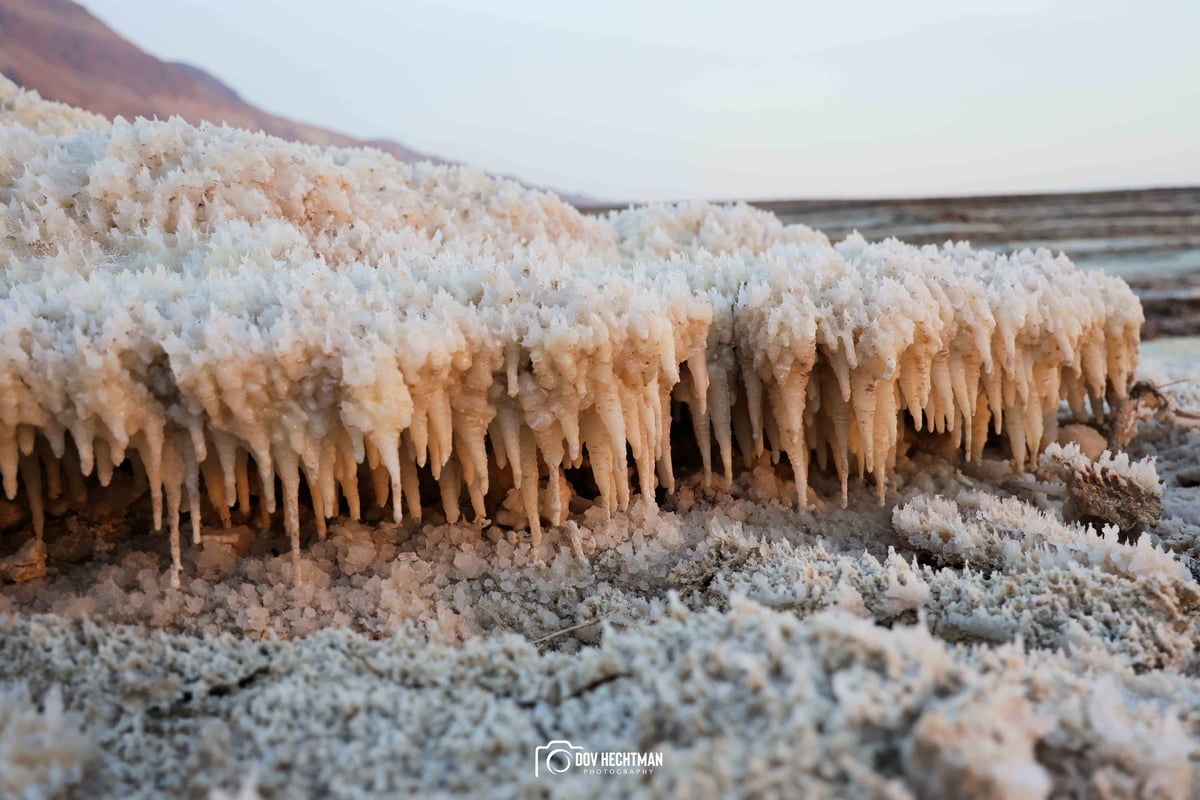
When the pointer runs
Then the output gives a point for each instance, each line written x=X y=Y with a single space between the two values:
x=255 y=323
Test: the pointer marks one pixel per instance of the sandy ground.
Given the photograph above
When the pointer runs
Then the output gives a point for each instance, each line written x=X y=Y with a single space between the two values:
x=761 y=650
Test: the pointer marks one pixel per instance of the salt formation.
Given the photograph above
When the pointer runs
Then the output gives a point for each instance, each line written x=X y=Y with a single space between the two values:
x=224 y=310
x=1108 y=488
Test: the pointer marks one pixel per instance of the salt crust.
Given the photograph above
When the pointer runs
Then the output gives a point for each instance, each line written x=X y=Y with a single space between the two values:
x=227 y=310
x=741 y=702
x=43 y=750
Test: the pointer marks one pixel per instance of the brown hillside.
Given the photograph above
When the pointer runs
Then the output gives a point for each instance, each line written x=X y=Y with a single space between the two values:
x=66 y=54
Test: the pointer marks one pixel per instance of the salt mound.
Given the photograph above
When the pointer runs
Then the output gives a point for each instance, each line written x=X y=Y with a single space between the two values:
x=225 y=310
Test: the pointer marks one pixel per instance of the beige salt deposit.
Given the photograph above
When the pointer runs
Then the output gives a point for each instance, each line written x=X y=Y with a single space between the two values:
x=235 y=316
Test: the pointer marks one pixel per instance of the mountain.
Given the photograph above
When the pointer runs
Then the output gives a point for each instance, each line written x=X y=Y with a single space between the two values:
x=66 y=54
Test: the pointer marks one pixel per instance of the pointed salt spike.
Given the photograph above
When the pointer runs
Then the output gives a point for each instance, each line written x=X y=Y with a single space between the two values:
x=31 y=476
x=325 y=476
x=289 y=478
x=410 y=481
x=104 y=464
x=318 y=502
x=25 y=439
x=478 y=507
x=595 y=440
x=773 y=437
x=508 y=418
x=979 y=429
x=83 y=444
x=720 y=408
x=450 y=485
x=473 y=451
x=346 y=469
x=266 y=482
x=418 y=432
x=441 y=429
x=862 y=400
x=642 y=453
x=411 y=486
x=554 y=495
x=176 y=551
x=943 y=391
x=193 y=497
x=968 y=429
x=744 y=436
x=564 y=493
x=372 y=454
x=697 y=365
x=793 y=395
x=191 y=480
x=199 y=446
x=666 y=469
x=885 y=436
x=529 y=485
x=1049 y=428
x=214 y=485
x=1016 y=438
x=841 y=370
x=150 y=451
x=1094 y=367
x=9 y=459
x=961 y=392
x=242 y=470
x=312 y=480
x=264 y=513
x=974 y=372
x=389 y=446
x=754 y=407
x=1076 y=398
x=356 y=447
x=172 y=469
x=512 y=360
x=857 y=452
x=608 y=407
x=700 y=427
x=570 y=427
x=499 y=452
x=992 y=385
x=225 y=448
x=1033 y=428
x=56 y=436
x=799 y=461
x=910 y=386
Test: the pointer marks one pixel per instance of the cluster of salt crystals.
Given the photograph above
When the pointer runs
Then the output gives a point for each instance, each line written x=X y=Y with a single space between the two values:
x=1141 y=473
x=984 y=530
x=196 y=298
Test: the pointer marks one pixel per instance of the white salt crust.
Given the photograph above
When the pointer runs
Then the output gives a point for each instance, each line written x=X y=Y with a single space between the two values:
x=227 y=311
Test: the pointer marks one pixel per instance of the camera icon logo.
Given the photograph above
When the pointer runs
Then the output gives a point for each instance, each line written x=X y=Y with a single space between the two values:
x=555 y=757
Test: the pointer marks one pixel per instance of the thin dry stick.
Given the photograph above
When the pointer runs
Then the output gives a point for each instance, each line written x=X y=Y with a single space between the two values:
x=571 y=629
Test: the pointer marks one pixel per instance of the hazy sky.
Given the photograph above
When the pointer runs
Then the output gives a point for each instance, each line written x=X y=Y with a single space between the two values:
x=631 y=99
